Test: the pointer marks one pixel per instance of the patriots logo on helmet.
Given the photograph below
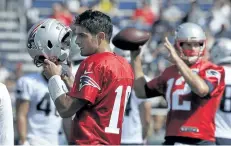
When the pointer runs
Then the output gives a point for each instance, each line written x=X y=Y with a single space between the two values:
x=30 y=43
x=85 y=80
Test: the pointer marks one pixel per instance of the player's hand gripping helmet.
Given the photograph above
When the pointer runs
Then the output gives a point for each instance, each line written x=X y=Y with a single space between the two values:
x=49 y=39
x=221 y=51
x=190 y=32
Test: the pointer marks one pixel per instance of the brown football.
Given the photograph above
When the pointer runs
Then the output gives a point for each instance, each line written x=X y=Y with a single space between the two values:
x=130 y=38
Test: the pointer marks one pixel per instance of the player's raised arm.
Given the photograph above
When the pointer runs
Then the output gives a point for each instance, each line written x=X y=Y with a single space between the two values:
x=140 y=81
x=143 y=88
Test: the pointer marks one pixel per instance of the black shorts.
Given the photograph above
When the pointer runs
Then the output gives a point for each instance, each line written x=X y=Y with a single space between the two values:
x=223 y=141
x=171 y=140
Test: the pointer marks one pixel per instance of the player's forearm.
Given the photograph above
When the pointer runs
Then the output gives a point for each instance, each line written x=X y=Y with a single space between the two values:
x=139 y=81
x=22 y=128
x=197 y=84
x=58 y=90
x=63 y=104
x=66 y=105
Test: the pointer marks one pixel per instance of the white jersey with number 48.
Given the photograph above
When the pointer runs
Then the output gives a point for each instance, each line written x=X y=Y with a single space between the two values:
x=43 y=122
x=223 y=115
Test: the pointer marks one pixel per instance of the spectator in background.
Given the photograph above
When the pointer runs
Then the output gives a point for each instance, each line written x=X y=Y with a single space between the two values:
x=62 y=14
x=144 y=14
x=73 y=5
x=195 y=14
x=221 y=13
x=171 y=13
x=104 y=6
x=109 y=7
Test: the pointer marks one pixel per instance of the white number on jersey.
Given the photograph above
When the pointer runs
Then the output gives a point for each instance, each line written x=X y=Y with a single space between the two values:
x=225 y=105
x=186 y=105
x=112 y=128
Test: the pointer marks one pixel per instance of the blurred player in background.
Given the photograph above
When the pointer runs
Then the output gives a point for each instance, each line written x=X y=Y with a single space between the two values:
x=192 y=86
x=37 y=119
x=137 y=116
x=221 y=54
x=6 y=117
x=102 y=85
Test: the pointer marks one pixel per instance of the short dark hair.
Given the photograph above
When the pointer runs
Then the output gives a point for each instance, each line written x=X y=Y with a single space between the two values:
x=95 y=22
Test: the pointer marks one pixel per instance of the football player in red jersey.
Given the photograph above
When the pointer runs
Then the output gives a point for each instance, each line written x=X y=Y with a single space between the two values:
x=192 y=86
x=101 y=88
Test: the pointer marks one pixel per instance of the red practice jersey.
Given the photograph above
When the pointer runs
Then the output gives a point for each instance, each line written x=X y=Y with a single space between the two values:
x=190 y=115
x=105 y=81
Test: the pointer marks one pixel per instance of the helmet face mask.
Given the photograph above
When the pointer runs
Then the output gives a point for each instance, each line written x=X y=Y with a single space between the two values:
x=194 y=35
x=39 y=60
x=49 y=39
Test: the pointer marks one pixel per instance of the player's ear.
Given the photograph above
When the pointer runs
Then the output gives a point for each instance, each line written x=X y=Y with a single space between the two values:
x=101 y=36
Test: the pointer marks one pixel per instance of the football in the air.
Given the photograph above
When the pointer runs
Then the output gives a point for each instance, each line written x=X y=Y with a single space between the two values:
x=130 y=38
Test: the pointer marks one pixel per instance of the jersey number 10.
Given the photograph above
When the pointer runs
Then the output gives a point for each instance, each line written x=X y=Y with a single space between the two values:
x=112 y=128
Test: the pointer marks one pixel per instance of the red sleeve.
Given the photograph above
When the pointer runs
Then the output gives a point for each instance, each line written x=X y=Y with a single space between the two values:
x=156 y=87
x=87 y=82
x=214 y=78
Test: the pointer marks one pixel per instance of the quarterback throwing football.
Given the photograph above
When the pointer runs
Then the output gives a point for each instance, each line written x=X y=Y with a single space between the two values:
x=192 y=86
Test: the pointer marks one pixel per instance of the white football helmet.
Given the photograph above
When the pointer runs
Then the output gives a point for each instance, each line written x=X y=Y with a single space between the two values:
x=190 y=32
x=49 y=39
x=221 y=51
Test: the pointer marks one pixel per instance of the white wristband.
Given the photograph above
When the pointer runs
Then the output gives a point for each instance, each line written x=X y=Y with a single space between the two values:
x=56 y=87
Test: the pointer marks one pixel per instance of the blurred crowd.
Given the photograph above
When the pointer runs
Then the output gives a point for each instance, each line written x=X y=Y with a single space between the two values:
x=160 y=17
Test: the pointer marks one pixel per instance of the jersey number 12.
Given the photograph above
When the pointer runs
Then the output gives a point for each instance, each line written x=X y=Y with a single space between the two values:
x=174 y=102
